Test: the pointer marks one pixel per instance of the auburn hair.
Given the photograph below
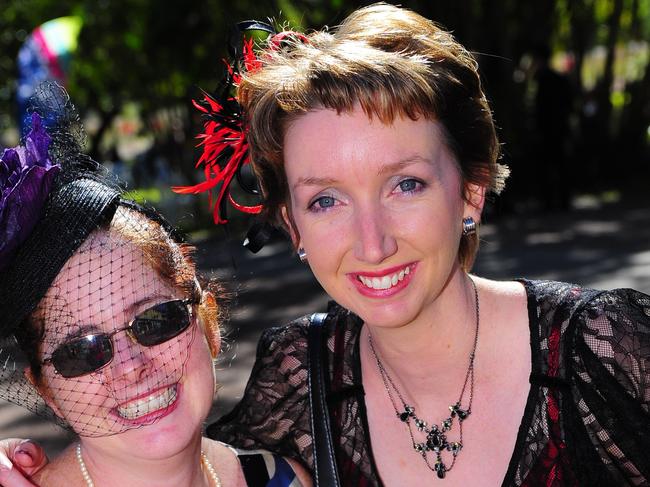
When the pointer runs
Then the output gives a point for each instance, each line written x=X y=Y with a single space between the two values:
x=390 y=61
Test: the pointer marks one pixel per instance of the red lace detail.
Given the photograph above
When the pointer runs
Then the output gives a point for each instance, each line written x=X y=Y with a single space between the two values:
x=553 y=466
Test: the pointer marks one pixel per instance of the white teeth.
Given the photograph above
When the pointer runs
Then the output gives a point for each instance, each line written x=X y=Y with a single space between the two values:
x=149 y=404
x=385 y=282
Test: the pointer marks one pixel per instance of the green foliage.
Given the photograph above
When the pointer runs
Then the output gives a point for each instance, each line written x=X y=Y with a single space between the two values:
x=154 y=55
x=144 y=195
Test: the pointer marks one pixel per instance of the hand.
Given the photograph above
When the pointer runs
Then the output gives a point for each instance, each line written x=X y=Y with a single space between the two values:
x=19 y=459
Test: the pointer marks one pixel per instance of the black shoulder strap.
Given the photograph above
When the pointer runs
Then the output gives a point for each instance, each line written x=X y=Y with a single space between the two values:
x=325 y=471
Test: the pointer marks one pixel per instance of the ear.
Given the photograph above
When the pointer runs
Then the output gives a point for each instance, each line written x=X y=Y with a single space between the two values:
x=474 y=201
x=291 y=226
x=209 y=317
x=42 y=390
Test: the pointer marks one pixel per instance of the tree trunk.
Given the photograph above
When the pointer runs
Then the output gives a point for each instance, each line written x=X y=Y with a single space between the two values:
x=583 y=30
x=613 y=25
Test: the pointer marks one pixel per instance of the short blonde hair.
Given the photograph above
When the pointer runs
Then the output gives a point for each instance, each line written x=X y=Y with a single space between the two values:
x=393 y=63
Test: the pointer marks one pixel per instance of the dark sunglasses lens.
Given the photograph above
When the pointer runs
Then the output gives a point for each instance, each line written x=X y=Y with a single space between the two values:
x=83 y=355
x=161 y=323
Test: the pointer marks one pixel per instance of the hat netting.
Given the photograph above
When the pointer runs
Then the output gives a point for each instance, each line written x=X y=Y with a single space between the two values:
x=91 y=265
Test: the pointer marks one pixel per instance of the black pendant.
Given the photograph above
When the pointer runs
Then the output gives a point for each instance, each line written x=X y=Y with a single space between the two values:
x=462 y=414
x=404 y=416
x=453 y=410
x=436 y=441
x=440 y=469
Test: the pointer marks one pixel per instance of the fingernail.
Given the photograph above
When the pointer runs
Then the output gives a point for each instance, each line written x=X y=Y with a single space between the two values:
x=26 y=448
x=23 y=452
x=5 y=464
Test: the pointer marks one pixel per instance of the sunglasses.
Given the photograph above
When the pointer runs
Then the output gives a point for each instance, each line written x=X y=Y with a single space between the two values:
x=90 y=353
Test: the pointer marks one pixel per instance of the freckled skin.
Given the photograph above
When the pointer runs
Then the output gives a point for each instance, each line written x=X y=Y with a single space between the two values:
x=393 y=195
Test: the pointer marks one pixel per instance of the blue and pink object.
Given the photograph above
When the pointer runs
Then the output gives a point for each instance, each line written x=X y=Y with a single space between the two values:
x=45 y=55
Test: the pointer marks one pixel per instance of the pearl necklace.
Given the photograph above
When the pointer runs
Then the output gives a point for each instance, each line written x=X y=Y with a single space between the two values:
x=204 y=461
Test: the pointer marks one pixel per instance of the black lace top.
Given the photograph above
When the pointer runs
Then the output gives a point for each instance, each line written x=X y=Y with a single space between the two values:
x=586 y=420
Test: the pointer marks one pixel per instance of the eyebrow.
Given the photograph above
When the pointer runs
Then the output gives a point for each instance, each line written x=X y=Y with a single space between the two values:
x=385 y=169
x=314 y=181
x=401 y=164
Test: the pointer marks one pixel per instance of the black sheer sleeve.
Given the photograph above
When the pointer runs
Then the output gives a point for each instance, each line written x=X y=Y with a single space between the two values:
x=611 y=379
x=274 y=412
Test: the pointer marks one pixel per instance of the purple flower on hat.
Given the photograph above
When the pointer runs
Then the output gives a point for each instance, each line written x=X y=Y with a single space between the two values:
x=26 y=176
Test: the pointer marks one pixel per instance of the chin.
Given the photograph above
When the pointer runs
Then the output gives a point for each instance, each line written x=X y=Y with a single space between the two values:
x=384 y=314
x=167 y=435
x=160 y=440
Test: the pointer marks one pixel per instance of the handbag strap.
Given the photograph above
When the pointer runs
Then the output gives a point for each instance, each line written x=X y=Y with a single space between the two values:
x=325 y=471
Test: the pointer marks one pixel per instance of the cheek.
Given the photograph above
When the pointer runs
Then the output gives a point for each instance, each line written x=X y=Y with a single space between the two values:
x=200 y=365
x=79 y=402
x=326 y=243
x=325 y=228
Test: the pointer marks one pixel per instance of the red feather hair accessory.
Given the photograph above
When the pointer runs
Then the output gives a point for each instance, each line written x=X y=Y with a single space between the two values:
x=224 y=136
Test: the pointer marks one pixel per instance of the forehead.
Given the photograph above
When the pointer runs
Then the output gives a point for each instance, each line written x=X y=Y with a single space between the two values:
x=105 y=276
x=351 y=146
x=354 y=137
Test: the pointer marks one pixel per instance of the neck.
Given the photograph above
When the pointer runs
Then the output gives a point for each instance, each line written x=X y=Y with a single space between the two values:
x=109 y=466
x=440 y=338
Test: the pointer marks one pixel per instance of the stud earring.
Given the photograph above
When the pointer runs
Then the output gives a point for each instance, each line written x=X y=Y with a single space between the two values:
x=302 y=255
x=469 y=226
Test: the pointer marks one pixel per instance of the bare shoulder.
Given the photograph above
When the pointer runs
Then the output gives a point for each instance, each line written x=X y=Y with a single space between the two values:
x=62 y=471
x=501 y=289
x=505 y=327
x=502 y=297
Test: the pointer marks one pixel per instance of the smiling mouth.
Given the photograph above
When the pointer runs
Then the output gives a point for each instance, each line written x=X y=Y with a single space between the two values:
x=146 y=405
x=385 y=282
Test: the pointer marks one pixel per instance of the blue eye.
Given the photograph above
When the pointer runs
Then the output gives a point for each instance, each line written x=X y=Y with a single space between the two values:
x=322 y=203
x=409 y=185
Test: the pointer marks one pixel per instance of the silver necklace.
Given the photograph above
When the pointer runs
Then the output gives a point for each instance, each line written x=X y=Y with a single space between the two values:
x=435 y=437
x=204 y=461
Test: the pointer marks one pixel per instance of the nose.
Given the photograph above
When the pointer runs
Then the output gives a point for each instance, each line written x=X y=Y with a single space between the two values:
x=374 y=235
x=130 y=361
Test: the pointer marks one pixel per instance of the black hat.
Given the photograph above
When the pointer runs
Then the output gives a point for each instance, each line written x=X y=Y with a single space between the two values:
x=42 y=225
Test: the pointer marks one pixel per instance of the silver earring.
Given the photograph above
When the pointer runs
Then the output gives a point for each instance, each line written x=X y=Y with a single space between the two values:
x=469 y=226
x=302 y=255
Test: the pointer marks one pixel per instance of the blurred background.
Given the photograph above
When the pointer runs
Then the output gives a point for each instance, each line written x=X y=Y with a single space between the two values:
x=569 y=84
